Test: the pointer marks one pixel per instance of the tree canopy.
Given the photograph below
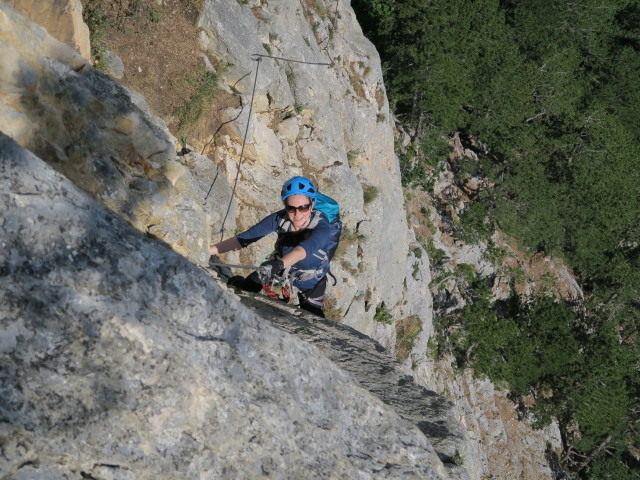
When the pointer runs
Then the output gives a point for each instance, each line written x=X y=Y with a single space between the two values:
x=551 y=88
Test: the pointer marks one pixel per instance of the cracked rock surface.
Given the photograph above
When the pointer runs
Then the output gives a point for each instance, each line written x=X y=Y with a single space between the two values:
x=375 y=370
x=122 y=360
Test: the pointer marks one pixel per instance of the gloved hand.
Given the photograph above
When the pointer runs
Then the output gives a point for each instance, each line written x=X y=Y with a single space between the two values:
x=270 y=268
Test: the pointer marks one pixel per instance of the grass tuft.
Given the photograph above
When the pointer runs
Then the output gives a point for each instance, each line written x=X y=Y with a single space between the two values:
x=407 y=329
x=205 y=85
x=369 y=194
x=383 y=315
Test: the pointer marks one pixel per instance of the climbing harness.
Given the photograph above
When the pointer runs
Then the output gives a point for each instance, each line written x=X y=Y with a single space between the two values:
x=278 y=287
x=268 y=290
x=275 y=287
x=330 y=208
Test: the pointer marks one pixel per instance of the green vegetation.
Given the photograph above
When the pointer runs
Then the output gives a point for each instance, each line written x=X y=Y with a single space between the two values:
x=458 y=459
x=370 y=193
x=415 y=269
x=291 y=77
x=577 y=374
x=413 y=167
x=551 y=89
x=290 y=112
x=351 y=156
x=101 y=15
x=331 y=311
x=196 y=5
x=347 y=266
x=436 y=255
x=348 y=238
x=383 y=315
x=97 y=21
x=407 y=329
x=317 y=7
x=154 y=15
x=495 y=254
x=204 y=85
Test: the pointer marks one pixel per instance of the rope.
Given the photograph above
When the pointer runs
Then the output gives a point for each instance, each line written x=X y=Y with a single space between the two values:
x=220 y=127
x=244 y=142
x=212 y=184
x=292 y=60
x=231 y=265
x=253 y=93
x=209 y=142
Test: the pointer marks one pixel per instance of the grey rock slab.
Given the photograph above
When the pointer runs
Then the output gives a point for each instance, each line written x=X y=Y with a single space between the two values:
x=124 y=360
x=115 y=65
x=373 y=367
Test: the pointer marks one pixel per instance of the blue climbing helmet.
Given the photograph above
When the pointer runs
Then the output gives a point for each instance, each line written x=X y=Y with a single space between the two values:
x=298 y=186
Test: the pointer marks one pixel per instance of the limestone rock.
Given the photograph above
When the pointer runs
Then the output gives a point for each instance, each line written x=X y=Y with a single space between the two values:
x=356 y=353
x=88 y=127
x=120 y=359
x=115 y=65
x=340 y=109
x=123 y=366
x=91 y=129
x=61 y=18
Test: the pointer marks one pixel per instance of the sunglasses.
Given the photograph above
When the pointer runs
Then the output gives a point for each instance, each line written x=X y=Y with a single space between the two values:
x=301 y=208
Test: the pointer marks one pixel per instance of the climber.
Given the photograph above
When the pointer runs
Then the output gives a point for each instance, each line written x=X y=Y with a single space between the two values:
x=300 y=254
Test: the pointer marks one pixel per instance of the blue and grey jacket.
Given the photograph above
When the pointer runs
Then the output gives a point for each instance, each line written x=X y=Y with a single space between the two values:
x=315 y=240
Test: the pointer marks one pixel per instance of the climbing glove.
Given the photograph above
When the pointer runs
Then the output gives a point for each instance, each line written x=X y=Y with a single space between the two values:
x=270 y=268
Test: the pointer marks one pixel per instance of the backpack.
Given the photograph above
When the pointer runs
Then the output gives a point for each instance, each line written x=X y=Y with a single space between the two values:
x=331 y=209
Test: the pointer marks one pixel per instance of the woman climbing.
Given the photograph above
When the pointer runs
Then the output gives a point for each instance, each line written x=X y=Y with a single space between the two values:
x=301 y=250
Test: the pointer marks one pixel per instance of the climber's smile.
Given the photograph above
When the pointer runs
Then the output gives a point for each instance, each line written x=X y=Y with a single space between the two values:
x=298 y=209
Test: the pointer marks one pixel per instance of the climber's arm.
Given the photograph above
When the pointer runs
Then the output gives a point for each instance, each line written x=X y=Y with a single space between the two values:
x=228 y=245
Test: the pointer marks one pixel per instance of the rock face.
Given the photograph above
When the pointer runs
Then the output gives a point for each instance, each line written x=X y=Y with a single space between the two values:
x=61 y=18
x=131 y=341
x=86 y=126
x=500 y=439
x=369 y=363
x=496 y=430
x=120 y=359
x=340 y=136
